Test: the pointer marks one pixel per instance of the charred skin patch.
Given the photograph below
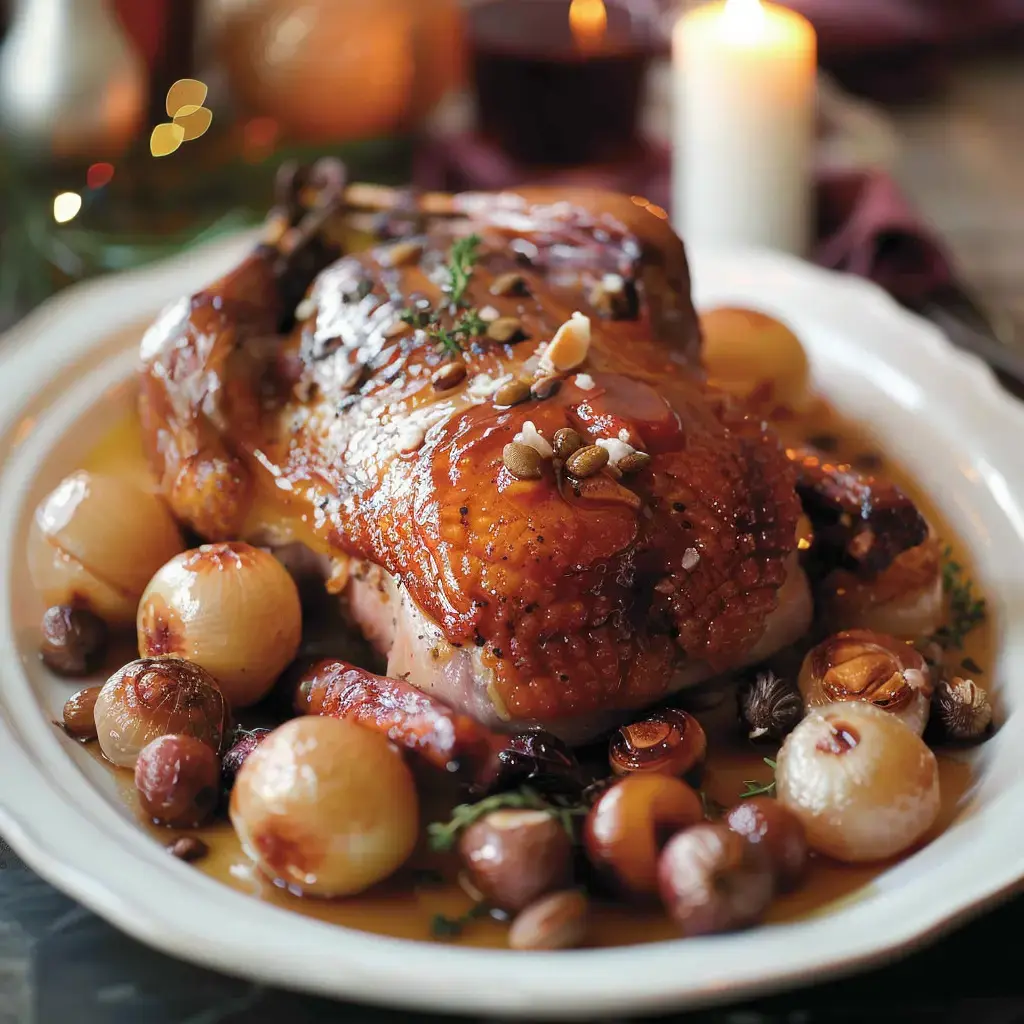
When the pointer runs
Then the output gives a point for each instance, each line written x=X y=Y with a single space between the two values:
x=161 y=631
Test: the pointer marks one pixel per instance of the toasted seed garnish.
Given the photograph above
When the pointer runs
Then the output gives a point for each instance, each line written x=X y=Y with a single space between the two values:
x=395 y=328
x=510 y=284
x=587 y=461
x=512 y=393
x=448 y=375
x=545 y=387
x=566 y=441
x=522 y=461
x=505 y=330
x=569 y=347
x=401 y=254
x=633 y=462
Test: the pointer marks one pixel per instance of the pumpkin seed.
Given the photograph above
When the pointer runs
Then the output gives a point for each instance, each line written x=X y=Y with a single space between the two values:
x=587 y=461
x=566 y=442
x=522 y=461
x=512 y=393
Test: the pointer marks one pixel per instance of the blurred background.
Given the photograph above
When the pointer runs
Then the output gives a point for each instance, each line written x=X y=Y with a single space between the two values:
x=917 y=172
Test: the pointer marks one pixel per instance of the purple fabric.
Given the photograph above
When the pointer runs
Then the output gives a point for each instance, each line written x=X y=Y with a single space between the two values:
x=865 y=225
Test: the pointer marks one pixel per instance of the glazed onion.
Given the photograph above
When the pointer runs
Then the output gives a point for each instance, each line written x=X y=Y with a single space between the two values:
x=231 y=608
x=862 y=784
x=860 y=665
x=753 y=355
x=95 y=541
x=153 y=697
x=325 y=807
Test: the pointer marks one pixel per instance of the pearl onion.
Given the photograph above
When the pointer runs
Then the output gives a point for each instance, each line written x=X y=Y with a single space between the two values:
x=864 y=786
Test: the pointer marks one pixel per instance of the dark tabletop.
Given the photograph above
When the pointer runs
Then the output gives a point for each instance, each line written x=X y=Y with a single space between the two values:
x=60 y=964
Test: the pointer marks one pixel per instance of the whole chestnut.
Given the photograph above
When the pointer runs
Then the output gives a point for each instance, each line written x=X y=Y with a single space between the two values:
x=178 y=780
x=79 y=713
x=712 y=880
x=515 y=856
x=631 y=821
x=74 y=640
x=778 y=832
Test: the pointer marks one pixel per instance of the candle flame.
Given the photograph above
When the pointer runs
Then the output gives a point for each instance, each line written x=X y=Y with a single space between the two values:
x=744 y=18
x=588 y=20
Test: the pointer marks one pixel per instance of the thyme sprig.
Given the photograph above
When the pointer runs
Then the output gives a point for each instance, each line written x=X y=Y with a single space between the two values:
x=444 y=927
x=966 y=610
x=468 y=324
x=442 y=835
x=462 y=258
x=760 y=788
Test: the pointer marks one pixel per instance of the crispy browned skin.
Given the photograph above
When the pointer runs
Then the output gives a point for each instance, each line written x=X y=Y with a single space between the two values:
x=409 y=718
x=577 y=594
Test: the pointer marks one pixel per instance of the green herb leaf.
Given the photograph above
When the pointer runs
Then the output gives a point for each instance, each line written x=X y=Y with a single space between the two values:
x=417 y=317
x=470 y=324
x=966 y=610
x=443 y=834
x=760 y=788
x=442 y=927
x=972 y=666
x=448 y=341
x=462 y=258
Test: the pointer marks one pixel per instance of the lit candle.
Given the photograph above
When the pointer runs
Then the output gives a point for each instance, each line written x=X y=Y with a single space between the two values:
x=744 y=126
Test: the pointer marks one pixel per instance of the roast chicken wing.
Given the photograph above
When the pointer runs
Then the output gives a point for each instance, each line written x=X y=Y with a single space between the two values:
x=557 y=601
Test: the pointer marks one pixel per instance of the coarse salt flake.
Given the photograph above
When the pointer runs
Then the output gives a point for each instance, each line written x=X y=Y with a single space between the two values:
x=306 y=308
x=410 y=437
x=691 y=556
x=483 y=385
x=489 y=313
x=584 y=382
x=531 y=436
x=624 y=434
x=617 y=450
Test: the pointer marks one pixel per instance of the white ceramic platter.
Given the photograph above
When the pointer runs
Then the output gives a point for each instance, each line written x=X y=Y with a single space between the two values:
x=66 y=374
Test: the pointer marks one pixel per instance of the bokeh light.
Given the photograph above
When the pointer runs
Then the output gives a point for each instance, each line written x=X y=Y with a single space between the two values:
x=66 y=206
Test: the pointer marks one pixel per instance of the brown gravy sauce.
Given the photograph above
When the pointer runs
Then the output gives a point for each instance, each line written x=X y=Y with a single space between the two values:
x=405 y=905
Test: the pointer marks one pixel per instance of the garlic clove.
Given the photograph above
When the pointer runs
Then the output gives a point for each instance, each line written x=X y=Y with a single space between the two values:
x=570 y=346
x=863 y=785
x=861 y=665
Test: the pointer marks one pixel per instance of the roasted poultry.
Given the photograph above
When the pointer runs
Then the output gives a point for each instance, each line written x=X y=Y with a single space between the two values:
x=357 y=403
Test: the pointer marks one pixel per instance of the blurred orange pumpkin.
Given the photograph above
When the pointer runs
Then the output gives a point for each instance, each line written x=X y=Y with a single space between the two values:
x=340 y=70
